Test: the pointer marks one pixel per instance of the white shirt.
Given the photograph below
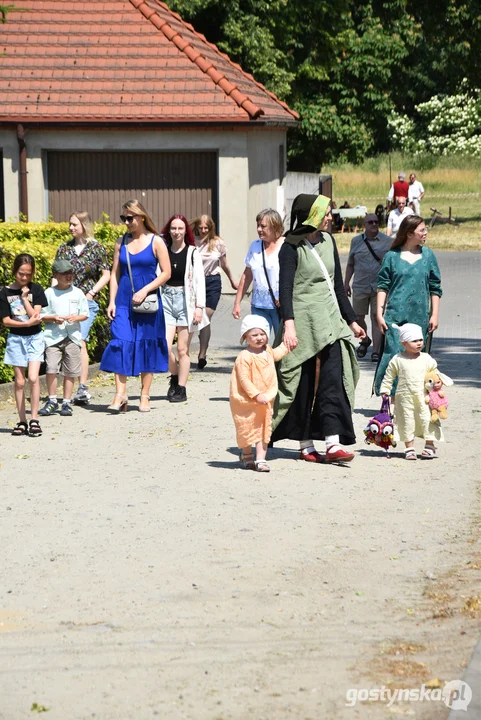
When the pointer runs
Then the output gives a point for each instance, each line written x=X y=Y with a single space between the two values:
x=415 y=190
x=64 y=302
x=395 y=219
x=261 y=296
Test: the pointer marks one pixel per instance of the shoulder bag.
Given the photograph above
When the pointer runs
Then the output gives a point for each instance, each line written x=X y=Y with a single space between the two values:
x=151 y=302
x=276 y=302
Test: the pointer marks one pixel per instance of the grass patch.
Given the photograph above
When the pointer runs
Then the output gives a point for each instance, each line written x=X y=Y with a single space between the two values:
x=453 y=182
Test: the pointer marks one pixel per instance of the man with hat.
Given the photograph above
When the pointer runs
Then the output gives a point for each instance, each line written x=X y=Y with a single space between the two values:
x=67 y=308
x=365 y=257
x=400 y=188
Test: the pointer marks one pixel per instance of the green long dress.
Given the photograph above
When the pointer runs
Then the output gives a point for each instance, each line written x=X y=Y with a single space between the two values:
x=409 y=287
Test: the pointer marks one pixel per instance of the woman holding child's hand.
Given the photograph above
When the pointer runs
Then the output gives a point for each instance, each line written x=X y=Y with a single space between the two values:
x=318 y=322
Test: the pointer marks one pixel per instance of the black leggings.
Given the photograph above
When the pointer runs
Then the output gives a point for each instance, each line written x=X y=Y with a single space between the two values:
x=330 y=414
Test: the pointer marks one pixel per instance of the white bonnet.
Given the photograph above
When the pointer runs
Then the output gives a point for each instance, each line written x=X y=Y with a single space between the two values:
x=253 y=321
x=409 y=332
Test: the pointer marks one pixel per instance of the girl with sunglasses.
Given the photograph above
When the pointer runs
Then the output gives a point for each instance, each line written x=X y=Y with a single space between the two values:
x=138 y=345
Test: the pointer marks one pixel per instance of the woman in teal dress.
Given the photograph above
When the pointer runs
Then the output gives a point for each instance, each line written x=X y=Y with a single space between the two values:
x=408 y=289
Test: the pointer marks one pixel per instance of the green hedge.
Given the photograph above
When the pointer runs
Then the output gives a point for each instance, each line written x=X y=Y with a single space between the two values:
x=42 y=240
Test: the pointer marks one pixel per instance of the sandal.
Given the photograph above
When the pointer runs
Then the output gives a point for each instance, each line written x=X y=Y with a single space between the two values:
x=34 y=429
x=262 y=466
x=247 y=460
x=375 y=357
x=21 y=428
x=428 y=453
x=410 y=454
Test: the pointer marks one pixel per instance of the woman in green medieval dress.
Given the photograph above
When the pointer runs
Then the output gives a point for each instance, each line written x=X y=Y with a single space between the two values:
x=318 y=322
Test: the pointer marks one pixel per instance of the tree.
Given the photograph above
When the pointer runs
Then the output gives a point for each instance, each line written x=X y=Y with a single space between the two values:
x=346 y=67
x=444 y=125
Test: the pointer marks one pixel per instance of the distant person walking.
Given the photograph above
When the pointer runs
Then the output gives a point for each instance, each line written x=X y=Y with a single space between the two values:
x=262 y=270
x=184 y=301
x=138 y=345
x=409 y=289
x=400 y=188
x=416 y=194
x=396 y=217
x=364 y=261
x=91 y=272
x=213 y=252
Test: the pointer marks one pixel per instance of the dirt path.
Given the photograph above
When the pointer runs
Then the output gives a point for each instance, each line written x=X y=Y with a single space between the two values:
x=145 y=575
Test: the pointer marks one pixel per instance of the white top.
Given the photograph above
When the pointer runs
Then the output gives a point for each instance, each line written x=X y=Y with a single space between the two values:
x=261 y=296
x=395 y=219
x=415 y=191
x=64 y=302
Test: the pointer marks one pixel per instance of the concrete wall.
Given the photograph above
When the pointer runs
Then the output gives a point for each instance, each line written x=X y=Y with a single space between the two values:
x=9 y=147
x=248 y=171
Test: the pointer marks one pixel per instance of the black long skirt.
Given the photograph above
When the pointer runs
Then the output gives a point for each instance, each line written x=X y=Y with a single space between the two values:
x=330 y=413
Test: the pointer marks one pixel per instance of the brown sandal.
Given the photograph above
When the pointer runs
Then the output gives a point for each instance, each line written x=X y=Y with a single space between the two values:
x=247 y=460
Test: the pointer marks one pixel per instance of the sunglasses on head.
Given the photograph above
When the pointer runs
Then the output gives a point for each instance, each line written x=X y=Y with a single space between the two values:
x=127 y=218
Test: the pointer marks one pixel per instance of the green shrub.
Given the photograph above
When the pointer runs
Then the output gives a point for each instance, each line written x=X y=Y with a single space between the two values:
x=42 y=240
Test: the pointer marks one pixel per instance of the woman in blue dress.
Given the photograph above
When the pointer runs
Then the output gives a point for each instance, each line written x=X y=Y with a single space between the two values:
x=138 y=345
x=408 y=289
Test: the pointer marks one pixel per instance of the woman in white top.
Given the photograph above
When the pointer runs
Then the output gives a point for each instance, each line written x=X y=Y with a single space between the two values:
x=214 y=257
x=262 y=270
x=183 y=298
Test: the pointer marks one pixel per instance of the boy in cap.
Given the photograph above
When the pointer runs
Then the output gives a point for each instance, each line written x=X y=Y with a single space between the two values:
x=67 y=308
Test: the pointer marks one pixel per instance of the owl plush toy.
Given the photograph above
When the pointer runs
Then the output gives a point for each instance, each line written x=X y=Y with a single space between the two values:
x=380 y=429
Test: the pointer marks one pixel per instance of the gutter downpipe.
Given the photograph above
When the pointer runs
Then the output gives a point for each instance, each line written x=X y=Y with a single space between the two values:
x=23 y=172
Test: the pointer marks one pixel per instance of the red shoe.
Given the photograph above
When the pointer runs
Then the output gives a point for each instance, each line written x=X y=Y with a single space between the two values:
x=314 y=457
x=338 y=455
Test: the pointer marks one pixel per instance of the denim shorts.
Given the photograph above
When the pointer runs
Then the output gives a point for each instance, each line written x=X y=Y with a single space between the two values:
x=87 y=324
x=175 y=307
x=22 y=349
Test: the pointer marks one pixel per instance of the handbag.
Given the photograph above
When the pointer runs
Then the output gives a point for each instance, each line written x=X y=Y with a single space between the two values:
x=151 y=302
x=380 y=429
x=276 y=302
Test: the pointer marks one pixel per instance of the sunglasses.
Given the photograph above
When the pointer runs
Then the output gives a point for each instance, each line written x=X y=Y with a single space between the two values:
x=127 y=218
x=372 y=222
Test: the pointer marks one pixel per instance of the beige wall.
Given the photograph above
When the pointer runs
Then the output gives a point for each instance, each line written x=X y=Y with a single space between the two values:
x=9 y=147
x=248 y=171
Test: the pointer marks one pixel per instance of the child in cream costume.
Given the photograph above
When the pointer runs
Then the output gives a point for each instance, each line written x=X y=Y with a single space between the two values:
x=412 y=415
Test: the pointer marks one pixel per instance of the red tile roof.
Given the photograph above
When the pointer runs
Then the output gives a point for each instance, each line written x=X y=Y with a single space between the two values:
x=121 y=61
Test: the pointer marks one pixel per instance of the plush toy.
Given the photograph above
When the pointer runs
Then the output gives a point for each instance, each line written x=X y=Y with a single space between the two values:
x=380 y=429
x=434 y=396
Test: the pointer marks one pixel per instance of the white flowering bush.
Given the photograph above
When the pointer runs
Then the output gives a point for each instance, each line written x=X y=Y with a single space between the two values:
x=444 y=125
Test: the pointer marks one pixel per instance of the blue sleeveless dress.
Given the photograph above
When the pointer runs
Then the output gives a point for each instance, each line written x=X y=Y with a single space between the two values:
x=138 y=342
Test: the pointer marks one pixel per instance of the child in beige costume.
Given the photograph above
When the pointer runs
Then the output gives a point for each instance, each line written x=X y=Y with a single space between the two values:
x=411 y=414
x=253 y=388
